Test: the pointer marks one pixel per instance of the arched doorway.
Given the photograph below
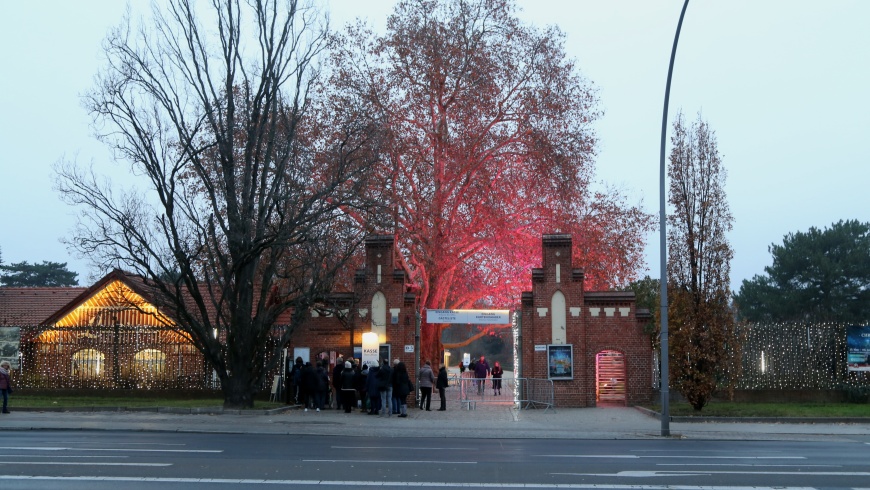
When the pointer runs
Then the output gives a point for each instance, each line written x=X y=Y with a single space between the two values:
x=610 y=378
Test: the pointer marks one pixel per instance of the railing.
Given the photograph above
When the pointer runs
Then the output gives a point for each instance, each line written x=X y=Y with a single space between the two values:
x=525 y=393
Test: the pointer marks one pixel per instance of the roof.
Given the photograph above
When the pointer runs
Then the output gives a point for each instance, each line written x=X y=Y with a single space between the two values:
x=21 y=307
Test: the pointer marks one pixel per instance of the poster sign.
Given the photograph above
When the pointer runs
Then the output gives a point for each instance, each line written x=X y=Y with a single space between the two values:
x=370 y=348
x=476 y=317
x=560 y=361
x=858 y=348
x=10 y=340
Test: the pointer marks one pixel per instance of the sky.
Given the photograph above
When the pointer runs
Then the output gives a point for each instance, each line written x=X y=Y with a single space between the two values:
x=785 y=84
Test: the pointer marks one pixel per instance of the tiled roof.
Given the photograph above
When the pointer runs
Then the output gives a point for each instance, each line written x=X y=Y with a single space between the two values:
x=22 y=307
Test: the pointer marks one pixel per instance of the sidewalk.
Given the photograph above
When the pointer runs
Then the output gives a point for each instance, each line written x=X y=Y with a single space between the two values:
x=487 y=422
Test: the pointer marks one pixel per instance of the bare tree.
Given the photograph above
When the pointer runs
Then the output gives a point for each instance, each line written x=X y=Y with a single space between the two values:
x=698 y=263
x=243 y=223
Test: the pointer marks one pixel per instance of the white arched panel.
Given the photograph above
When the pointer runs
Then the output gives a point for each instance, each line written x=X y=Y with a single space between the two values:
x=559 y=318
x=379 y=316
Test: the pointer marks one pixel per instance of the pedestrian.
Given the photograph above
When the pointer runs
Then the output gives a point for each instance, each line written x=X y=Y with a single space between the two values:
x=426 y=379
x=336 y=382
x=348 y=392
x=496 y=378
x=322 y=385
x=373 y=391
x=385 y=388
x=309 y=385
x=481 y=370
x=5 y=383
x=360 y=382
x=294 y=375
x=441 y=384
x=401 y=387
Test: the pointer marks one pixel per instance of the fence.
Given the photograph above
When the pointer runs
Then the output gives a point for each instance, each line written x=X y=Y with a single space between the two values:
x=525 y=393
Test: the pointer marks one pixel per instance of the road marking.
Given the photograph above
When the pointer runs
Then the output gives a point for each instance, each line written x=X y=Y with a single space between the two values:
x=26 y=448
x=117 y=443
x=731 y=465
x=56 y=456
x=402 y=447
x=65 y=463
x=650 y=474
x=426 y=461
x=378 y=483
x=632 y=456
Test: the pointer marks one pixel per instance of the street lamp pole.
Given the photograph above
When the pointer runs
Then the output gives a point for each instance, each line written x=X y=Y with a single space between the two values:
x=663 y=239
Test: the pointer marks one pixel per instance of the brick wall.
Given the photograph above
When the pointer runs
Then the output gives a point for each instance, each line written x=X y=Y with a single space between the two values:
x=593 y=321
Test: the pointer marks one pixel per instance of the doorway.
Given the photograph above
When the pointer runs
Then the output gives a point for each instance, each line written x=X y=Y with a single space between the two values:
x=610 y=378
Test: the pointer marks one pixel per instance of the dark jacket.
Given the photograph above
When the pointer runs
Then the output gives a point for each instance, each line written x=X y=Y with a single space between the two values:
x=372 y=381
x=347 y=379
x=309 y=378
x=481 y=369
x=385 y=378
x=497 y=371
x=442 y=381
x=401 y=381
x=322 y=379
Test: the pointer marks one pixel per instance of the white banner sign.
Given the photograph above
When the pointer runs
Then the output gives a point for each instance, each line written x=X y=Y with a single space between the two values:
x=477 y=317
x=370 y=349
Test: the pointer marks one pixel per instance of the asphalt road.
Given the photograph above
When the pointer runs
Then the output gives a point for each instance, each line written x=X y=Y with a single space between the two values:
x=134 y=460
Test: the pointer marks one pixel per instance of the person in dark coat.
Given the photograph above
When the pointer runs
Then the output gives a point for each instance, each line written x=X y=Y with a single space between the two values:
x=385 y=388
x=348 y=392
x=294 y=380
x=359 y=382
x=441 y=383
x=336 y=381
x=401 y=387
x=481 y=370
x=309 y=385
x=372 y=390
x=322 y=385
x=497 y=372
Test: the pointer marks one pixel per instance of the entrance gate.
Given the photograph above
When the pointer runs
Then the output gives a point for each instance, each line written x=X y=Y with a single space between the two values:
x=610 y=378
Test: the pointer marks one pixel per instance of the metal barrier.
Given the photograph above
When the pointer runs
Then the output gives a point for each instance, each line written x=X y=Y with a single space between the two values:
x=525 y=393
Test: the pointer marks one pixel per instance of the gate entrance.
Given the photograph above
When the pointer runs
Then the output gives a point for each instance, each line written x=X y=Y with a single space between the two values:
x=610 y=378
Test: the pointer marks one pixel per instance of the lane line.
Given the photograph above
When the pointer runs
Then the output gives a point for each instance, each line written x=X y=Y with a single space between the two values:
x=426 y=461
x=26 y=448
x=650 y=474
x=632 y=456
x=707 y=465
x=417 y=484
x=56 y=456
x=95 y=463
x=402 y=447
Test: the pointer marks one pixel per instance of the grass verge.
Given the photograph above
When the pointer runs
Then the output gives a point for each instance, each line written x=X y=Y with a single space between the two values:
x=49 y=401
x=728 y=409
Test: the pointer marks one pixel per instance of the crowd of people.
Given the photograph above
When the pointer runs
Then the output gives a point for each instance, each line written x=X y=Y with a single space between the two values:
x=377 y=390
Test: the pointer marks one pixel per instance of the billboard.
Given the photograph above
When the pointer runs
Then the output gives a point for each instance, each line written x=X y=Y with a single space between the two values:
x=477 y=317
x=10 y=339
x=858 y=348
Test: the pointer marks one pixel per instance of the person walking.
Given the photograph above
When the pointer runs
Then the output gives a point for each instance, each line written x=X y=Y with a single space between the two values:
x=481 y=370
x=426 y=379
x=294 y=375
x=5 y=383
x=401 y=387
x=385 y=387
x=497 y=373
x=441 y=384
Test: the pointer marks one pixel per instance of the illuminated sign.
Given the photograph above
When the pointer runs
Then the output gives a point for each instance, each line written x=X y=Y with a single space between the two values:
x=477 y=317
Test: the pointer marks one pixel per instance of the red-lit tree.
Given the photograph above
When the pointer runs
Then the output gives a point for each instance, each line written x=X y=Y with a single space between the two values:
x=490 y=146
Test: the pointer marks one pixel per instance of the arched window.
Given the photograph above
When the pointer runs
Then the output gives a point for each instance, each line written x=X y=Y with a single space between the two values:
x=150 y=362
x=559 y=316
x=379 y=316
x=88 y=363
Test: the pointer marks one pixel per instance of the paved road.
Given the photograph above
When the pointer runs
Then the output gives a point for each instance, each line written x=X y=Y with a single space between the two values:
x=106 y=459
